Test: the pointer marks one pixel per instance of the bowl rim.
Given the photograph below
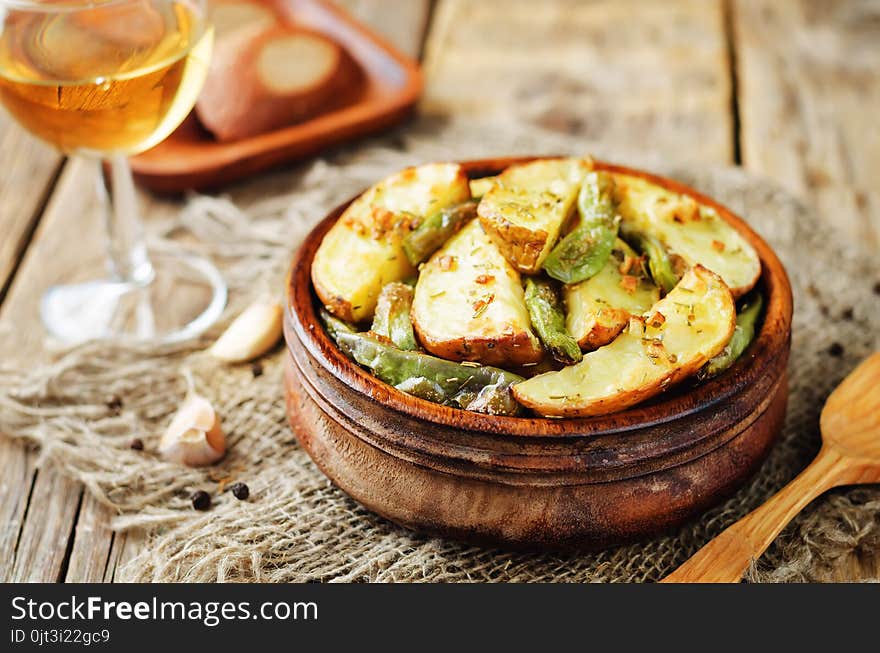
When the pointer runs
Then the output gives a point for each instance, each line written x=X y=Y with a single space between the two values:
x=303 y=325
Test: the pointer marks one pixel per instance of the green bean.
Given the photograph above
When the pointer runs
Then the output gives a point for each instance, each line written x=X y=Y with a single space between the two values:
x=585 y=250
x=659 y=263
x=474 y=387
x=391 y=318
x=743 y=334
x=435 y=230
x=548 y=319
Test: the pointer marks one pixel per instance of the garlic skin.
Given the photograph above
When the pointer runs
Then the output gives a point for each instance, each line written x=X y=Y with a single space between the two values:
x=254 y=332
x=194 y=436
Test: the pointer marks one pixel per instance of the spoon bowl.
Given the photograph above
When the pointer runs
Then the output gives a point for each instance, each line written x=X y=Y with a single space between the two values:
x=850 y=421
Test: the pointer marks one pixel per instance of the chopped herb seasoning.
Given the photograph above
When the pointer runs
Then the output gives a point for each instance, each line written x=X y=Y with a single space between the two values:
x=629 y=283
x=481 y=305
x=446 y=263
x=657 y=320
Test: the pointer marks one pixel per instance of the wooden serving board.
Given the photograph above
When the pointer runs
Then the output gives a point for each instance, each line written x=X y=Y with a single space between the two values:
x=390 y=85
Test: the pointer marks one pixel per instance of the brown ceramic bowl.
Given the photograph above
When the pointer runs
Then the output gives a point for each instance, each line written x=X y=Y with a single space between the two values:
x=531 y=482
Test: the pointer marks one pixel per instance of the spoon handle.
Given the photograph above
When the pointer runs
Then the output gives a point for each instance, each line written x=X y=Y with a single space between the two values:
x=726 y=557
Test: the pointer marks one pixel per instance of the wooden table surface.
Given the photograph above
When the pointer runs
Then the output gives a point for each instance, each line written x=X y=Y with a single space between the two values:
x=787 y=88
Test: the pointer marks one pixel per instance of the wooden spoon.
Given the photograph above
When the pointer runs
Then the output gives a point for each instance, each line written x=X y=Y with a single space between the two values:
x=850 y=454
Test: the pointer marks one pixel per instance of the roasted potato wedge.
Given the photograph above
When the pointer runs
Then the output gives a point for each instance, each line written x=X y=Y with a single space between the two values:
x=469 y=304
x=695 y=233
x=528 y=205
x=362 y=252
x=599 y=308
x=668 y=343
x=482 y=185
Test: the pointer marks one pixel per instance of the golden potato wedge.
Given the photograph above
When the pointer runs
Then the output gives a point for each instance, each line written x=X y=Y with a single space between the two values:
x=481 y=186
x=599 y=308
x=696 y=233
x=362 y=251
x=469 y=304
x=527 y=206
x=666 y=344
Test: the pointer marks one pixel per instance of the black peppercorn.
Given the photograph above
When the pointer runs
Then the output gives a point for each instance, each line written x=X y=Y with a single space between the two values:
x=201 y=500
x=240 y=491
x=137 y=444
x=257 y=369
x=836 y=349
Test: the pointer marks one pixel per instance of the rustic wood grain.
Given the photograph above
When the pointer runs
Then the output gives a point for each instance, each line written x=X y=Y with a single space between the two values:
x=627 y=73
x=16 y=480
x=29 y=168
x=126 y=546
x=43 y=546
x=403 y=24
x=809 y=88
x=92 y=543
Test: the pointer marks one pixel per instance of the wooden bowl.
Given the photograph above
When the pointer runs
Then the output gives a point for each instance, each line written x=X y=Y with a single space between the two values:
x=531 y=482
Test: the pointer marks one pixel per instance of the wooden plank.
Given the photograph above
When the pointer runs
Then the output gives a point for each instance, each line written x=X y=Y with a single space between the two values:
x=126 y=546
x=17 y=465
x=809 y=86
x=624 y=72
x=72 y=209
x=42 y=549
x=29 y=171
x=92 y=543
x=403 y=24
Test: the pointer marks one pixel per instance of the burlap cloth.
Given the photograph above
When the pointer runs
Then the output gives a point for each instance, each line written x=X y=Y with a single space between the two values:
x=84 y=409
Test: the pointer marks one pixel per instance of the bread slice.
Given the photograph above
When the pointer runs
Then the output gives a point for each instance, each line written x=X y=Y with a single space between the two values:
x=262 y=79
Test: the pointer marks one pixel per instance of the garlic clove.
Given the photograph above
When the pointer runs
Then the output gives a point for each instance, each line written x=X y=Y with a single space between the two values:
x=194 y=436
x=254 y=332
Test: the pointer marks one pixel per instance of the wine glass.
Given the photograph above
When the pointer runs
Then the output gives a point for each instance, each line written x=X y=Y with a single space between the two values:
x=103 y=80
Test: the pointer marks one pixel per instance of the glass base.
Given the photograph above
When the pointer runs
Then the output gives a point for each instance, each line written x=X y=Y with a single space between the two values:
x=185 y=296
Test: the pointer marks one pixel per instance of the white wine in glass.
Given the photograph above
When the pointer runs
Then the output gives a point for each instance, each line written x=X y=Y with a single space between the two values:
x=105 y=79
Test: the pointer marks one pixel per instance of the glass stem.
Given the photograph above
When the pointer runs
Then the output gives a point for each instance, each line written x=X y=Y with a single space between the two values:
x=127 y=248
